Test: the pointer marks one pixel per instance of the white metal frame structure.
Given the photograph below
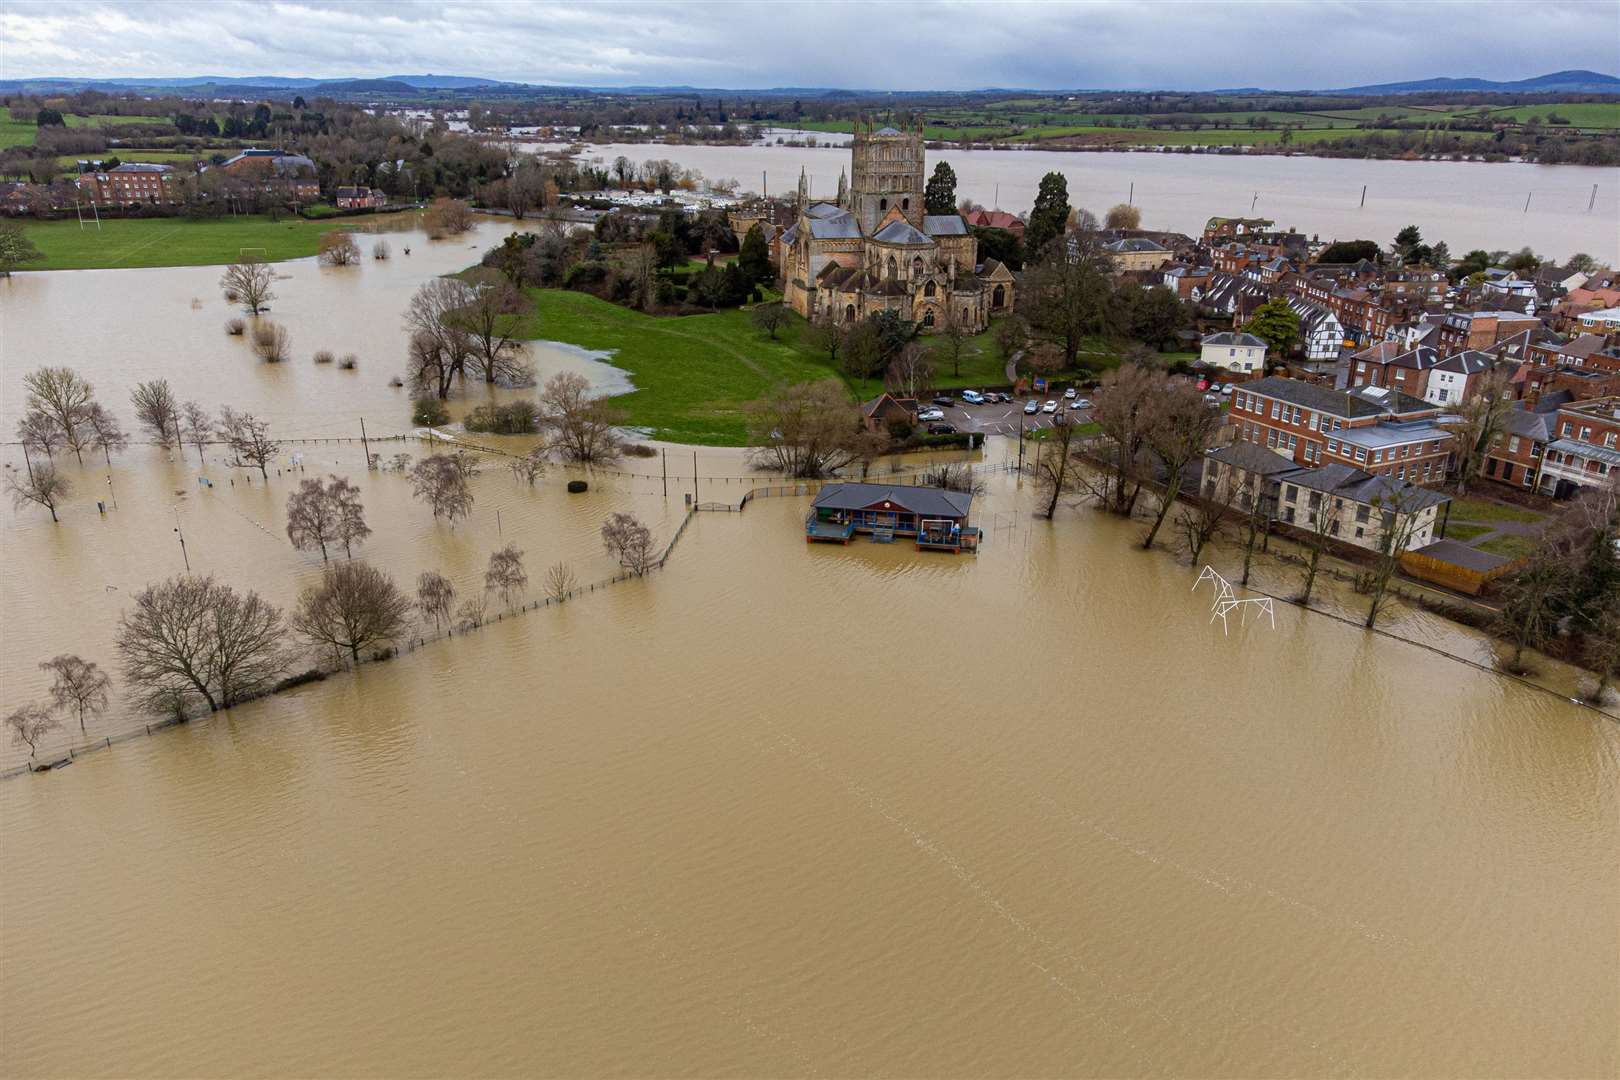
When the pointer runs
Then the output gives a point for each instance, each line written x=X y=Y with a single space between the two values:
x=1226 y=602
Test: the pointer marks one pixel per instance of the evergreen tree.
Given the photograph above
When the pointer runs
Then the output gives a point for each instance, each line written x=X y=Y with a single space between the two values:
x=1050 y=216
x=755 y=257
x=939 y=197
x=1277 y=324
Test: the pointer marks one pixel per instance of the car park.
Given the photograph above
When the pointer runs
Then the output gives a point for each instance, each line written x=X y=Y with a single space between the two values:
x=973 y=397
x=931 y=414
x=1031 y=407
x=1050 y=406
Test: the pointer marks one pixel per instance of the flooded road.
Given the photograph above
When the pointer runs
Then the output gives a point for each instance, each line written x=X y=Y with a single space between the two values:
x=1466 y=204
x=775 y=809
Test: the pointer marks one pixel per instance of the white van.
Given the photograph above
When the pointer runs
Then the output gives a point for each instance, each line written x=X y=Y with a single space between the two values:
x=973 y=397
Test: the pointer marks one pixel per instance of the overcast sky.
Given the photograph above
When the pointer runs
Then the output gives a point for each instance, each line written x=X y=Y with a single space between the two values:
x=869 y=44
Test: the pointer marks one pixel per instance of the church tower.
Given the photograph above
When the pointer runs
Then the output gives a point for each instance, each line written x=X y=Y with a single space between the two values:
x=843 y=190
x=887 y=173
x=804 y=191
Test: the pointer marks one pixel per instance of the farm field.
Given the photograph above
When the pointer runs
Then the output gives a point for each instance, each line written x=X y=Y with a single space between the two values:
x=124 y=242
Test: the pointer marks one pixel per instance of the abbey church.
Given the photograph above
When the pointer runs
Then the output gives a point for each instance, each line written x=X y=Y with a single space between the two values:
x=876 y=250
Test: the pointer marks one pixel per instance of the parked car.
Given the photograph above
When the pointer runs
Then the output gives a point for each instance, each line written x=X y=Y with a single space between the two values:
x=1226 y=391
x=931 y=414
x=944 y=399
x=973 y=397
x=1082 y=403
x=942 y=429
x=1031 y=407
x=1212 y=399
x=1050 y=406
x=1070 y=392
x=1075 y=404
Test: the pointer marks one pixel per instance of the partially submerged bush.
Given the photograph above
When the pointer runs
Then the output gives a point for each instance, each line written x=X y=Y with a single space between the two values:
x=349 y=362
x=235 y=327
x=640 y=450
x=429 y=412
x=515 y=418
x=324 y=356
x=271 y=342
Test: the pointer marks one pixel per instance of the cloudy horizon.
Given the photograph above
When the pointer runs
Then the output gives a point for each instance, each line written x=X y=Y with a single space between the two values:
x=899 y=46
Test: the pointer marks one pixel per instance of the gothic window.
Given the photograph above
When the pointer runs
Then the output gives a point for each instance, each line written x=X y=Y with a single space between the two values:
x=999 y=297
x=905 y=204
x=928 y=289
x=916 y=267
x=928 y=317
x=883 y=204
x=893 y=273
x=849 y=312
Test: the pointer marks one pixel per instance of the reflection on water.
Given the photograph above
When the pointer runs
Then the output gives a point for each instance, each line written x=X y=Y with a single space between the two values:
x=790 y=809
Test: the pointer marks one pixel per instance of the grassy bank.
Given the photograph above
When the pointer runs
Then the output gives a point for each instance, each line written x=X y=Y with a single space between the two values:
x=122 y=243
x=694 y=373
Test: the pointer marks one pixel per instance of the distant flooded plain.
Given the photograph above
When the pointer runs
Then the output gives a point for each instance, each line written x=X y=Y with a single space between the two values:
x=776 y=809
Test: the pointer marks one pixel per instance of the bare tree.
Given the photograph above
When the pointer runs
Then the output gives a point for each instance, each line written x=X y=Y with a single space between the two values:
x=470 y=615
x=1320 y=524
x=29 y=724
x=1204 y=520
x=1258 y=508
x=440 y=345
x=1530 y=599
x=192 y=636
x=1179 y=431
x=809 y=430
x=272 y=342
x=770 y=317
x=337 y=248
x=105 y=433
x=248 y=283
x=351 y=515
x=911 y=372
x=248 y=439
x=434 y=596
x=196 y=426
x=560 y=582
x=157 y=411
x=531 y=466
x=1400 y=521
x=41 y=484
x=381 y=250
x=446 y=217
x=1601 y=649
x=78 y=684
x=826 y=337
x=61 y=394
x=440 y=482
x=355 y=607
x=628 y=541
x=1125 y=412
x=953 y=476
x=1479 y=420
x=505 y=574
x=312 y=517
x=38 y=431
x=490 y=321
x=1057 y=466
x=582 y=428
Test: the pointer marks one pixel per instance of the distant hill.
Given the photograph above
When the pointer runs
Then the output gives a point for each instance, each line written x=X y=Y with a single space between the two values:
x=1559 y=82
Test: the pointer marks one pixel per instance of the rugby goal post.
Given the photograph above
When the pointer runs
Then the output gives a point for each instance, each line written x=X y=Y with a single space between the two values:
x=262 y=254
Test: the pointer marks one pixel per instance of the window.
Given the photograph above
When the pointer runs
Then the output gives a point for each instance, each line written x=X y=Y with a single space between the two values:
x=1361 y=516
x=928 y=289
x=1513 y=445
x=1276 y=411
x=1291 y=493
x=1361 y=455
x=1378 y=455
x=1333 y=446
x=905 y=204
x=1440 y=395
x=928 y=317
x=1271 y=438
x=1312 y=420
x=1292 y=442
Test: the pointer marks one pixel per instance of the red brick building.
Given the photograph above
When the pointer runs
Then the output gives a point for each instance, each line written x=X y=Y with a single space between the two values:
x=1384 y=433
x=1585 y=451
x=131 y=184
x=1514 y=457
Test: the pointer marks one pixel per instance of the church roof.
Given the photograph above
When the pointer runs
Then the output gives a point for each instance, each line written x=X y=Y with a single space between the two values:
x=944 y=225
x=900 y=232
x=825 y=210
x=886 y=131
x=842 y=227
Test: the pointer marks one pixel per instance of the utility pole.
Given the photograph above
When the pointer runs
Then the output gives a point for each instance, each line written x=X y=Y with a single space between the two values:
x=1527 y=202
x=1130 y=200
x=364 y=443
x=1593 y=200
x=1364 y=195
x=663 y=457
x=694 y=479
x=182 y=537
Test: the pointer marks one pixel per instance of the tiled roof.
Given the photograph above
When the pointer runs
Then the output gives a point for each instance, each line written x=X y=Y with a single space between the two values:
x=1228 y=337
x=1311 y=396
x=944 y=225
x=900 y=232
x=927 y=501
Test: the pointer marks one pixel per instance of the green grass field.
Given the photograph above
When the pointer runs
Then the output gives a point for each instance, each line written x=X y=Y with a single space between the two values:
x=694 y=373
x=1585 y=114
x=23 y=132
x=1474 y=509
x=16 y=132
x=1509 y=546
x=1464 y=533
x=168 y=241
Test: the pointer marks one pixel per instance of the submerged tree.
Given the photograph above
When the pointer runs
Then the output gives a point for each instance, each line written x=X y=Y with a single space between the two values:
x=505 y=574
x=809 y=430
x=434 y=596
x=29 y=724
x=78 y=684
x=59 y=392
x=40 y=484
x=440 y=481
x=195 y=637
x=1179 y=430
x=157 y=411
x=354 y=607
x=628 y=541
x=248 y=439
x=560 y=582
x=581 y=428
x=248 y=283
x=196 y=427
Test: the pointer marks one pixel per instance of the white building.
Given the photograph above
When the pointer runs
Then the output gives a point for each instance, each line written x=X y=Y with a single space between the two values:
x=1239 y=352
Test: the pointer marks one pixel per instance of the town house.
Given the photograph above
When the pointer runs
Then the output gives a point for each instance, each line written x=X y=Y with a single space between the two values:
x=1386 y=433
x=1515 y=454
x=1453 y=379
x=130 y=184
x=1585 y=451
x=1237 y=352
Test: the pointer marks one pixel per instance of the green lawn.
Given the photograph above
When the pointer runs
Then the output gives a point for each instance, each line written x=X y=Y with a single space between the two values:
x=1464 y=533
x=123 y=242
x=1583 y=114
x=1475 y=509
x=694 y=373
x=1509 y=547
x=16 y=132
x=23 y=132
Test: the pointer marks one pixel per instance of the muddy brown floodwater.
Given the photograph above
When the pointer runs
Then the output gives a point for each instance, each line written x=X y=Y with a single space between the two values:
x=788 y=810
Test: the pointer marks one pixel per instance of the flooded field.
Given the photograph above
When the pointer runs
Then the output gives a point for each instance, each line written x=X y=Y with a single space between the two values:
x=776 y=809
x=1466 y=204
